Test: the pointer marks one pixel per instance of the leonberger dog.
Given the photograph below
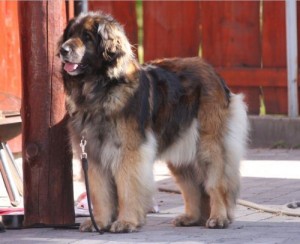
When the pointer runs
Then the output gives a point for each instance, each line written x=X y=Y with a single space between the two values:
x=178 y=110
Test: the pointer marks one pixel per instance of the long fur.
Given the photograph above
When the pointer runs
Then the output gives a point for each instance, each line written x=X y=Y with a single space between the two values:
x=178 y=110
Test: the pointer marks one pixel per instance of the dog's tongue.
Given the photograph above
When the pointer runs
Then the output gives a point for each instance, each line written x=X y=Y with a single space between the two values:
x=69 y=67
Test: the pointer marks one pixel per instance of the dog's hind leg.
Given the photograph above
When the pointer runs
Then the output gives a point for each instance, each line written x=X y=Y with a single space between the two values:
x=214 y=183
x=186 y=178
x=103 y=198
x=212 y=161
x=221 y=153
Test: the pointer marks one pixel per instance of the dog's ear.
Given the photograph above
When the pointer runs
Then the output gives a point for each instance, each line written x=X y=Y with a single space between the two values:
x=112 y=40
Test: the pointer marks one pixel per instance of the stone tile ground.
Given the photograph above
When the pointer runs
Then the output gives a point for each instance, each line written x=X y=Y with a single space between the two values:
x=279 y=186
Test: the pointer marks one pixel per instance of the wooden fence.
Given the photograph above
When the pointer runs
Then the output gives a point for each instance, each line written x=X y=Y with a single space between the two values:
x=244 y=40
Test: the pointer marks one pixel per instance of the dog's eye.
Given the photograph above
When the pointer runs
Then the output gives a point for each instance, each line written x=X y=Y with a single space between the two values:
x=87 y=37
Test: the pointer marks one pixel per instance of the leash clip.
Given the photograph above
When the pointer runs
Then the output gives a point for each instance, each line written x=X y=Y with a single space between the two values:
x=82 y=144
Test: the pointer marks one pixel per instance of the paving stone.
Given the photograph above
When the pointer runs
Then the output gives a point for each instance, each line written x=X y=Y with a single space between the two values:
x=250 y=226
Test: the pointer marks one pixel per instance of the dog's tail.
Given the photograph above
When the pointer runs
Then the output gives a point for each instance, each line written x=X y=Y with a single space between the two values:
x=236 y=138
x=235 y=144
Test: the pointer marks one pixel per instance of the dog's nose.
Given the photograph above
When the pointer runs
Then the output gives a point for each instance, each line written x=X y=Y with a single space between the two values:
x=64 y=50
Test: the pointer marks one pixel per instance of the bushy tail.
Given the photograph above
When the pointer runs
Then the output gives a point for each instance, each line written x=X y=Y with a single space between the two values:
x=235 y=143
x=236 y=138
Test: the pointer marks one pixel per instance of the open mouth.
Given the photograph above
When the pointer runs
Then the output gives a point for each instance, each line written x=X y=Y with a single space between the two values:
x=72 y=67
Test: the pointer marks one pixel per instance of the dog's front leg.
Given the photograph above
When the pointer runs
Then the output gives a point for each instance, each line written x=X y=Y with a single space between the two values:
x=103 y=197
x=134 y=181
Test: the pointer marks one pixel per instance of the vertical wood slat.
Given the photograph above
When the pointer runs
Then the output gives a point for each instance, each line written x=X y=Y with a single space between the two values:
x=273 y=35
x=70 y=8
x=274 y=53
x=47 y=161
x=171 y=29
x=124 y=12
x=231 y=38
x=10 y=65
x=231 y=33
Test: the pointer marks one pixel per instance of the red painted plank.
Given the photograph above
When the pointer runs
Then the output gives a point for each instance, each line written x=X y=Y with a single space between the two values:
x=10 y=65
x=251 y=95
x=273 y=34
x=70 y=7
x=270 y=81
x=48 y=190
x=171 y=28
x=124 y=12
x=12 y=46
x=274 y=53
x=276 y=100
x=230 y=33
x=254 y=77
x=256 y=82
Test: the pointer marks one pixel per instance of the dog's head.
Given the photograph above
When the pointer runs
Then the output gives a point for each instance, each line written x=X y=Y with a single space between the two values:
x=94 y=43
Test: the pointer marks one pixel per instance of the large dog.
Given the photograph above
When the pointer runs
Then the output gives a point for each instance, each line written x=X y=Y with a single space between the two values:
x=177 y=110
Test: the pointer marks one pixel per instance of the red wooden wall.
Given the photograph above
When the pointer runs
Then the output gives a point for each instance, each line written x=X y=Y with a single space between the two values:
x=247 y=47
x=244 y=40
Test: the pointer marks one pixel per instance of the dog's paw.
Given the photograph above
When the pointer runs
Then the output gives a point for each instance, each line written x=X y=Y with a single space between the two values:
x=217 y=222
x=87 y=226
x=121 y=226
x=185 y=220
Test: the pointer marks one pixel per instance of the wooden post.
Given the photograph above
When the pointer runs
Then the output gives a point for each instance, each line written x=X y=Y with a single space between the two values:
x=47 y=159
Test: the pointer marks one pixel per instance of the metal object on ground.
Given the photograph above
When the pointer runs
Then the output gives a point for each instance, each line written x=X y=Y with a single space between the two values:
x=13 y=221
x=10 y=127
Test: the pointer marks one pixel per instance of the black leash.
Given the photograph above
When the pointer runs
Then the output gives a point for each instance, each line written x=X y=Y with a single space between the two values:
x=84 y=163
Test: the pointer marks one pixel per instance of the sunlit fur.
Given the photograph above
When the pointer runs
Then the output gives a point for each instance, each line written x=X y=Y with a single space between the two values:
x=177 y=110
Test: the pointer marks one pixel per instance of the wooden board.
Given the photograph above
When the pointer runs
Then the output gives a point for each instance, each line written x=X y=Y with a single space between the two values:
x=231 y=38
x=256 y=82
x=274 y=53
x=10 y=62
x=171 y=29
x=254 y=77
x=230 y=33
x=124 y=12
x=274 y=34
x=47 y=161
x=10 y=65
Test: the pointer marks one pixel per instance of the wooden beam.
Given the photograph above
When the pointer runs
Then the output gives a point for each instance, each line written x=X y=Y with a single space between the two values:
x=47 y=159
x=254 y=77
